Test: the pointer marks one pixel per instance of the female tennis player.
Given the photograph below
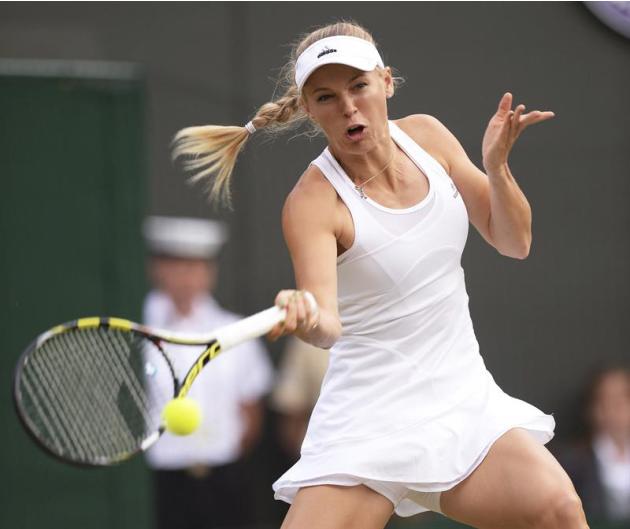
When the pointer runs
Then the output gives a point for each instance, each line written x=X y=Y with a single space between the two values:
x=409 y=419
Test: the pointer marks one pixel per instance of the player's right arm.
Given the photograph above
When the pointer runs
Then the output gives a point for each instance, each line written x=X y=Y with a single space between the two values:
x=309 y=224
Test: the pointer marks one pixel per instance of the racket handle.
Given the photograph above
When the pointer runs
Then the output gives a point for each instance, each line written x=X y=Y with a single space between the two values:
x=256 y=325
x=249 y=328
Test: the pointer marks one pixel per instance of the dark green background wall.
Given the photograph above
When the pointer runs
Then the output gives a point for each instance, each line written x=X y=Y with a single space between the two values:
x=542 y=323
x=72 y=162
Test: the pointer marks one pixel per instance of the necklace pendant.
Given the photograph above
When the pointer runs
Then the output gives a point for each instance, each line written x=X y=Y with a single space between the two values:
x=361 y=192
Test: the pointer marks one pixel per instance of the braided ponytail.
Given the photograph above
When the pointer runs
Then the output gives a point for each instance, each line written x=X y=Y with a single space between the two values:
x=208 y=150
x=212 y=150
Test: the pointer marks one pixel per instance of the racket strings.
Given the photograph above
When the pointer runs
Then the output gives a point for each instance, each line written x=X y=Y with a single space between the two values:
x=115 y=348
x=57 y=406
x=63 y=392
x=92 y=394
x=44 y=411
x=98 y=382
x=115 y=377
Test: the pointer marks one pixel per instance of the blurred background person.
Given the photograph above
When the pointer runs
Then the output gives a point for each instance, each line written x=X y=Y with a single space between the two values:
x=199 y=480
x=299 y=380
x=599 y=464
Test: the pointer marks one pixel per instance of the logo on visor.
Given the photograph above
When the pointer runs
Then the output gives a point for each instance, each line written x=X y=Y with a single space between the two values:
x=326 y=51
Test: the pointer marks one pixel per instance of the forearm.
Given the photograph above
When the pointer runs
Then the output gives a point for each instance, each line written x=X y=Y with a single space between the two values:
x=510 y=219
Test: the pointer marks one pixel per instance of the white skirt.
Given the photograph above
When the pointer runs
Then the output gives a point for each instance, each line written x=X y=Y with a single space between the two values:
x=429 y=456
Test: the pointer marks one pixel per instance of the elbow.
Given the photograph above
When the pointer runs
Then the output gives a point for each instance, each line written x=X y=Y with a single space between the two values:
x=326 y=333
x=330 y=338
x=518 y=251
x=525 y=247
x=522 y=254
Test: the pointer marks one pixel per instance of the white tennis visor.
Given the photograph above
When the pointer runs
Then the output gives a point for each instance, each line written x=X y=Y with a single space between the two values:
x=351 y=51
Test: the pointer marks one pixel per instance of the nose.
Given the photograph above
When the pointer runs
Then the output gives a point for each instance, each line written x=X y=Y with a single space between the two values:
x=347 y=105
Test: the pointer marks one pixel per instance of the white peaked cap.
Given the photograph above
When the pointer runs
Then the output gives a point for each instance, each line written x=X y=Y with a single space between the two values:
x=351 y=51
x=184 y=237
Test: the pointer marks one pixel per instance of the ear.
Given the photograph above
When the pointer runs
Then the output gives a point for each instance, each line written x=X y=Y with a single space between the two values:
x=389 y=82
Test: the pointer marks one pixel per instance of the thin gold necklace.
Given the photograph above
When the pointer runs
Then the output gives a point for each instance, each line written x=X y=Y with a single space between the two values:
x=360 y=187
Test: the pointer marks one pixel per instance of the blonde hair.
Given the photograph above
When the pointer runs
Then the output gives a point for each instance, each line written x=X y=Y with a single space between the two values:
x=212 y=149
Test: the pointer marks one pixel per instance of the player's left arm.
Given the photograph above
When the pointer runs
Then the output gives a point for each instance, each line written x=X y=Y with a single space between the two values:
x=495 y=203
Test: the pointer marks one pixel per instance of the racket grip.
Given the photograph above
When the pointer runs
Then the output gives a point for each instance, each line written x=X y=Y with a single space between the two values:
x=249 y=328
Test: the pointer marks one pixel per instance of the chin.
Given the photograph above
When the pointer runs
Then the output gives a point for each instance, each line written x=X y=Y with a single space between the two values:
x=361 y=146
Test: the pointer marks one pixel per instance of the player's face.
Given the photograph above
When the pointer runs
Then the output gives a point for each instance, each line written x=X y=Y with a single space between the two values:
x=611 y=409
x=350 y=106
x=183 y=280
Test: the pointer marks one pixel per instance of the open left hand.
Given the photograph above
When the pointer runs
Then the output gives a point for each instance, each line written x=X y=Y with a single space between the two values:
x=504 y=128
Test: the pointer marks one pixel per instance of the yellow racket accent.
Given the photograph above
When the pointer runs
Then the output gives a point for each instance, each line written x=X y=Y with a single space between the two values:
x=88 y=322
x=58 y=329
x=119 y=323
x=179 y=340
x=208 y=355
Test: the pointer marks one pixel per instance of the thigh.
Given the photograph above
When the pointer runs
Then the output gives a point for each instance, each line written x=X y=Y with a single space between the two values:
x=337 y=507
x=513 y=485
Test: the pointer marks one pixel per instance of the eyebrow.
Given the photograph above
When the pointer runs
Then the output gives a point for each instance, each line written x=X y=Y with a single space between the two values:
x=324 y=88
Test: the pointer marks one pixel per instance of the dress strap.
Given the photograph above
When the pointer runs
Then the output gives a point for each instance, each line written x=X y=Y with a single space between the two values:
x=338 y=179
x=414 y=151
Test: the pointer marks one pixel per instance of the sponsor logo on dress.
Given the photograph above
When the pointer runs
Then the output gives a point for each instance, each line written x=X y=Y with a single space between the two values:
x=455 y=191
x=326 y=51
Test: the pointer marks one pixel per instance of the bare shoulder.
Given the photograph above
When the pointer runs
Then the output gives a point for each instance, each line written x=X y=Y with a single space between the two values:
x=312 y=201
x=419 y=123
x=431 y=134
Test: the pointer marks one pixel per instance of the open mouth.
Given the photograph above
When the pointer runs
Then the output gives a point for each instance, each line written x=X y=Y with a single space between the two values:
x=355 y=131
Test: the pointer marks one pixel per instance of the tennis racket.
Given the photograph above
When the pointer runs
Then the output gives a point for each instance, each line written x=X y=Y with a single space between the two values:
x=91 y=391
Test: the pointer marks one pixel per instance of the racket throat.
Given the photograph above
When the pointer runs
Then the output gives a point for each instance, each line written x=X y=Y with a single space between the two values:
x=209 y=354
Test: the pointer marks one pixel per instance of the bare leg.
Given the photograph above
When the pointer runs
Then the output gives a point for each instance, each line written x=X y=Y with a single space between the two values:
x=335 y=507
x=519 y=485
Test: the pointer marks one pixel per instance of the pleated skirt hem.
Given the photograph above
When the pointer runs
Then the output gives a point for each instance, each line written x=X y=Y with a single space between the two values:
x=432 y=458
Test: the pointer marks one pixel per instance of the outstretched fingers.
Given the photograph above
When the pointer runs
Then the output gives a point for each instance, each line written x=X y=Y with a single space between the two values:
x=504 y=128
x=521 y=121
x=535 y=117
x=515 y=122
x=505 y=104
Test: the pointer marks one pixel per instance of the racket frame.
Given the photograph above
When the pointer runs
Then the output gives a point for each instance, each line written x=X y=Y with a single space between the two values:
x=213 y=343
x=87 y=323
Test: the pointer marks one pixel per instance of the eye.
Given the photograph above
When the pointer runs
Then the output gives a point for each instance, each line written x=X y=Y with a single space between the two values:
x=323 y=98
x=360 y=85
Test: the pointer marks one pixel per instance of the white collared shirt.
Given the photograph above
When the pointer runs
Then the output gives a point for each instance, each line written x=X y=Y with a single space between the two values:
x=614 y=469
x=240 y=375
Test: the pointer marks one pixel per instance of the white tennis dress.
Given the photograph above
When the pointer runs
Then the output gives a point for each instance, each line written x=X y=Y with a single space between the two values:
x=407 y=399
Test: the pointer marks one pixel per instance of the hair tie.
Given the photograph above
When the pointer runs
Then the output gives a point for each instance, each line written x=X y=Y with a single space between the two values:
x=250 y=127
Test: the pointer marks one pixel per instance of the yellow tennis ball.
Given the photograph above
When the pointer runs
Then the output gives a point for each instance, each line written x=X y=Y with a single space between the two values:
x=181 y=416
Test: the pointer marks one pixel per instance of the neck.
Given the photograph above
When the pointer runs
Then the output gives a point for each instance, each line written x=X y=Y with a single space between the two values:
x=621 y=443
x=373 y=165
x=184 y=305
